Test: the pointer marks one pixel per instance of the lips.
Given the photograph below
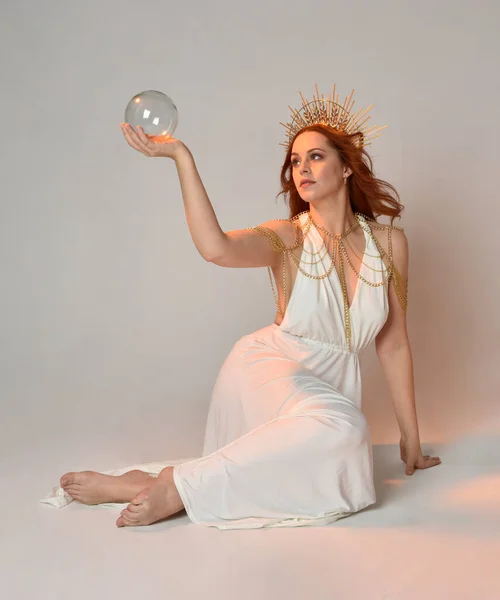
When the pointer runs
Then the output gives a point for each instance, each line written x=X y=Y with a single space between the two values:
x=306 y=183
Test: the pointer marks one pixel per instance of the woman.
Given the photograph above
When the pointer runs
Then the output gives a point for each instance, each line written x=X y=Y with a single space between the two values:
x=286 y=443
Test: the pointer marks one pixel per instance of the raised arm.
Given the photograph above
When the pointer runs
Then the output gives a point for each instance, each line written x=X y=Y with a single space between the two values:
x=259 y=246
x=204 y=227
x=237 y=248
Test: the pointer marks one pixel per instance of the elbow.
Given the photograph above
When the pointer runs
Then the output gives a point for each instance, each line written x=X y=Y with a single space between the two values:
x=208 y=256
x=215 y=255
x=211 y=258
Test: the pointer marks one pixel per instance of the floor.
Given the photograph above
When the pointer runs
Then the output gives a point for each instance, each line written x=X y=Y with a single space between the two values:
x=434 y=535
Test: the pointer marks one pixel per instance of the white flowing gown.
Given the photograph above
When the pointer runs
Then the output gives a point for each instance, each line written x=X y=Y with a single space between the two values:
x=286 y=443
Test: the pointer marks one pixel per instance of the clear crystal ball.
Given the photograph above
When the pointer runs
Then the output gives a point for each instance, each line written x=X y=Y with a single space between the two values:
x=154 y=112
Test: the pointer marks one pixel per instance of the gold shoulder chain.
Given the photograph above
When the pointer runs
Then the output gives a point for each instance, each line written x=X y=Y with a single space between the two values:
x=400 y=285
x=278 y=245
x=338 y=250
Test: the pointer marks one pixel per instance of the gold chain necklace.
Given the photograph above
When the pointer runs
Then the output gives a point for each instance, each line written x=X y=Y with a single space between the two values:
x=338 y=238
x=338 y=249
x=365 y=254
x=335 y=235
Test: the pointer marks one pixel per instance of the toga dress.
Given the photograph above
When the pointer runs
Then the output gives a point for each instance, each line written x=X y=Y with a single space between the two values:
x=286 y=442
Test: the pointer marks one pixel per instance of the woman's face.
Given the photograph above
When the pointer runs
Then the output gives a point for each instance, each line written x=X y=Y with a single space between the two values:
x=314 y=159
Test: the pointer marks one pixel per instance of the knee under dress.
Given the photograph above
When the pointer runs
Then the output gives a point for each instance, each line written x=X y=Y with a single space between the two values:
x=286 y=442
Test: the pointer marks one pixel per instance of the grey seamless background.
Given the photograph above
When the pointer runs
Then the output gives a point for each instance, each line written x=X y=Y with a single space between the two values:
x=113 y=327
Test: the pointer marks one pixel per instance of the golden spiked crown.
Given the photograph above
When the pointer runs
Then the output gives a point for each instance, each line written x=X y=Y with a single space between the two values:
x=328 y=111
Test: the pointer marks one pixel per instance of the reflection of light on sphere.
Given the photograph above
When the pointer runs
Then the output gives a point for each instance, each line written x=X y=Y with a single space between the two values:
x=154 y=112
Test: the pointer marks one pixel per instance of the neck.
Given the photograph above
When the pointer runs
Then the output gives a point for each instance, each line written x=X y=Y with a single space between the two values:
x=335 y=219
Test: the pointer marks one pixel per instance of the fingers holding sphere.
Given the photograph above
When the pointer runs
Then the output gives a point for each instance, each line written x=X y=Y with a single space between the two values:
x=134 y=140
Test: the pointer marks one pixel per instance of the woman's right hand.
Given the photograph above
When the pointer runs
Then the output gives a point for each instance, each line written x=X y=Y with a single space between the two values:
x=168 y=147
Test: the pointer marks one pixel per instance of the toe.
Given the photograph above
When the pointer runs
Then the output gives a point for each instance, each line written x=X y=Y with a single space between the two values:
x=141 y=497
x=128 y=522
x=130 y=516
x=125 y=519
x=126 y=512
x=75 y=494
x=120 y=522
x=67 y=479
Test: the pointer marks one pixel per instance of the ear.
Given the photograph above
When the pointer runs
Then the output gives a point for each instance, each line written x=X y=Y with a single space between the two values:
x=347 y=172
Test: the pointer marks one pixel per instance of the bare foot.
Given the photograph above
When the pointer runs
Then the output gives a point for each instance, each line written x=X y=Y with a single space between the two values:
x=155 y=503
x=90 y=487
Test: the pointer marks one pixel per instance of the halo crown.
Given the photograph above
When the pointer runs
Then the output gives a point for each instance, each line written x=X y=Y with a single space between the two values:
x=327 y=111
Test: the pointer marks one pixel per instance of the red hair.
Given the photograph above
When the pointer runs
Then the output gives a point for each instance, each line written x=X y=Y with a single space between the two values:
x=367 y=194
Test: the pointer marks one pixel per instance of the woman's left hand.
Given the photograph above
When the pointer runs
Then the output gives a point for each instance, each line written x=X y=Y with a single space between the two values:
x=411 y=454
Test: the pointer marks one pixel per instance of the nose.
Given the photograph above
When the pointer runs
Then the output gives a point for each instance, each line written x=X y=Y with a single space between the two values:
x=304 y=168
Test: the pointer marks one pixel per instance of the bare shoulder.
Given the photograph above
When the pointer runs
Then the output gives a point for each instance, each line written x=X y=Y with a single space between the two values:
x=289 y=230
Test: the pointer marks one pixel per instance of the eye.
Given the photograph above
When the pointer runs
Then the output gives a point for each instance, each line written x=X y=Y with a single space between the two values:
x=293 y=162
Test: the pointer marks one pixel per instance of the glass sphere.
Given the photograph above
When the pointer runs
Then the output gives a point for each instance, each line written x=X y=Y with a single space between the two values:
x=154 y=112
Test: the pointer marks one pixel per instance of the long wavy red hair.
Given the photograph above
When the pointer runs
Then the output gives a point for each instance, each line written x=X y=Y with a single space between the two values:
x=367 y=195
